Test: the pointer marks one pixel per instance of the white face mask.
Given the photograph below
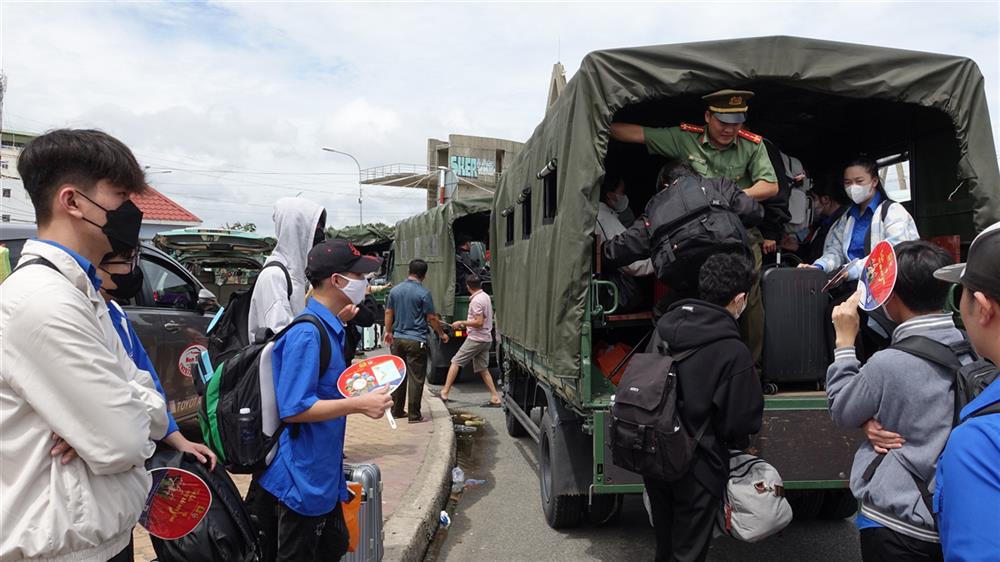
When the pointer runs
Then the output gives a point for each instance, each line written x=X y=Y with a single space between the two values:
x=621 y=203
x=859 y=193
x=355 y=289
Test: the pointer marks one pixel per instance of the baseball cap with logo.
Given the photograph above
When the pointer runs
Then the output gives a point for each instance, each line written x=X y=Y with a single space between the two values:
x=338 y=256
x=981 y=271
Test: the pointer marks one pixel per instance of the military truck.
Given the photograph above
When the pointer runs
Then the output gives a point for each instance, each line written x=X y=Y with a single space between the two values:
x=430 y=236
x=923 y=115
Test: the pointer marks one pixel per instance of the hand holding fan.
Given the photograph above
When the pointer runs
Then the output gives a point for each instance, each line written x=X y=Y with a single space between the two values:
x=372 y=373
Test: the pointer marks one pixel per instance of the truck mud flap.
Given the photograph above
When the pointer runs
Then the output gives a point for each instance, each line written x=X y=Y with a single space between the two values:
x=571 y=449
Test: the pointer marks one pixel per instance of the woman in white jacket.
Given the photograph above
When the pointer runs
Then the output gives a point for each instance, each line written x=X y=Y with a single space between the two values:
x=872 y=218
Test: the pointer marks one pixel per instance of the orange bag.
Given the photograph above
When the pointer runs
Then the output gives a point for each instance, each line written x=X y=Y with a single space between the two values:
x=608 y=357
x=352 y=509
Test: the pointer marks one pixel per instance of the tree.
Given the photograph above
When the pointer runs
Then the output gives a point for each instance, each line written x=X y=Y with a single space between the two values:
x=244 y=226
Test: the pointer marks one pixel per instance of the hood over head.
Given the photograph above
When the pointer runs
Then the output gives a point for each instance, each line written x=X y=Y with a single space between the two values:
x=295 y=221
x=695 y=323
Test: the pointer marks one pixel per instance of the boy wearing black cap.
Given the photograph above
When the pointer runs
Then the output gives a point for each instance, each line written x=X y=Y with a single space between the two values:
x=968 y=472
x=299 y=503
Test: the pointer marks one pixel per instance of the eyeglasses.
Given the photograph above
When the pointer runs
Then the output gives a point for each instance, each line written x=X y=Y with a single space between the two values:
x=955 y=297
x=131 y=263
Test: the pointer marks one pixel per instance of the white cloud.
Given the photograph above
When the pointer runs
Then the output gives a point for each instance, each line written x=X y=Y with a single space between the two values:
x=262 y=86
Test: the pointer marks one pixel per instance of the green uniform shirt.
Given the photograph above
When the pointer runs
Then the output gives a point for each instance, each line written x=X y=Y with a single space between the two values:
x=744 y=161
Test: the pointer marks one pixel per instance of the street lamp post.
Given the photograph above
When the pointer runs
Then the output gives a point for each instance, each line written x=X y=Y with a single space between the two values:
x=360 y=204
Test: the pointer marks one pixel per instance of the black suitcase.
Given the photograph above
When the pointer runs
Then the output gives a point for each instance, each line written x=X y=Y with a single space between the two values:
x=795 y=319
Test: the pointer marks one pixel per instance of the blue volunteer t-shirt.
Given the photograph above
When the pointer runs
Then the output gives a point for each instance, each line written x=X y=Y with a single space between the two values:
x=410 y=302
x=85 y=264
x=968 y=484
x=138 y=355
x=862 y=224
x=307 y=473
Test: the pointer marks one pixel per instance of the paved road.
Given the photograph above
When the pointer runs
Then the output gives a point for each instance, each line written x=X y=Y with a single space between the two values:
x=503 y=520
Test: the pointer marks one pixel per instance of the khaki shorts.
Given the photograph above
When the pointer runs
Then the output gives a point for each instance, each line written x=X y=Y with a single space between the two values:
x=478 y=352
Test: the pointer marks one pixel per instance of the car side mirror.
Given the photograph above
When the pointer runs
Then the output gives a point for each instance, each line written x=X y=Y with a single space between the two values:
x=207 y=301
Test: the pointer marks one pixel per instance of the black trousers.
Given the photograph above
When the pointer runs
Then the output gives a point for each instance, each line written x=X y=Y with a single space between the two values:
x=684 y=514
x=287 y=536
x=885 y=545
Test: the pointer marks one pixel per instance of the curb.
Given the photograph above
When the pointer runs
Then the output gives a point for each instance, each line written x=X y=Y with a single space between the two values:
x=410 y=529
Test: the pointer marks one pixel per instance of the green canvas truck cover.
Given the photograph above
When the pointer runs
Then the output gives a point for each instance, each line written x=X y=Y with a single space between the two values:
x=428 y=236
x=367 y=237
x=541 y=283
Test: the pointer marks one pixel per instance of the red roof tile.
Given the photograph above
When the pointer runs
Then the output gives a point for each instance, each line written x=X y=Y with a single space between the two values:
x=156 y=206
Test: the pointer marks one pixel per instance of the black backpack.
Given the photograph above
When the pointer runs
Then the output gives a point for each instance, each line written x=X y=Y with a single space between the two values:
x=687 y=224
x=230 y=333
x=648 y=435
x=245 y=442
x=226 y=534
x=970 y=380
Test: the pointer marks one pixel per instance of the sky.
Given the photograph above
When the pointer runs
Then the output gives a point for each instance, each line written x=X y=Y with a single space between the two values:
x=229 y=104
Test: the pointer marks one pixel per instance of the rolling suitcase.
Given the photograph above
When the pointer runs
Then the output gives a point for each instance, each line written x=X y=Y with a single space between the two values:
x=371 y=545
x=795 y=319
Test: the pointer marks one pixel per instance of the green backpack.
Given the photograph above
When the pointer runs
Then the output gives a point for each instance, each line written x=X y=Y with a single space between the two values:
x=239 y=412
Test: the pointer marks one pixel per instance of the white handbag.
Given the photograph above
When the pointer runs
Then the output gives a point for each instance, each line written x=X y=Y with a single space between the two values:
x=754 y=505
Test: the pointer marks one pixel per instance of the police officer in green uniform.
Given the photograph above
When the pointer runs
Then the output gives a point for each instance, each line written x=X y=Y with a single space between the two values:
x=720 y=149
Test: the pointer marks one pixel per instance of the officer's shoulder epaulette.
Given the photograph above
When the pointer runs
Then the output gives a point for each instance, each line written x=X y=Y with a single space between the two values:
x=692 y=128
x=752 y=137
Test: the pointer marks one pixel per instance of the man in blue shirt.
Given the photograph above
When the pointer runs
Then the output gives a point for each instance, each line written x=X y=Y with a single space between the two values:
x=299 y=500
x=968 y=474
x=408 y=312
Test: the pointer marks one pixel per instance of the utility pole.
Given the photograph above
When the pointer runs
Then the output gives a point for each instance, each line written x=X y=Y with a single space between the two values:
x=361 y=219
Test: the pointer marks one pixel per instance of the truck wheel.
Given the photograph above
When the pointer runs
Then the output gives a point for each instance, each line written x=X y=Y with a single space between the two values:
x=806 y=504
x=514 y=427
x=604 y=509
x=838 y=504
x=561 y=512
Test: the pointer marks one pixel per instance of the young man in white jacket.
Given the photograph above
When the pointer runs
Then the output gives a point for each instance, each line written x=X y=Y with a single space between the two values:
x=278 y=298
x=65 y=380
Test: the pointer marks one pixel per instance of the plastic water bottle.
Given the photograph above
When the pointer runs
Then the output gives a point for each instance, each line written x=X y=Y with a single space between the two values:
x=248 y=434
x=457 y=479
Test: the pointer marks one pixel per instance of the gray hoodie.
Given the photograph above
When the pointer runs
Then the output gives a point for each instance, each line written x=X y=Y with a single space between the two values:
x=907 y=395
x=295 y=222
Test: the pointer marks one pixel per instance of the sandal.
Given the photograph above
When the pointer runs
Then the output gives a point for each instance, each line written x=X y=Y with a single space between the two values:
x=491 y=405
x=437 y=394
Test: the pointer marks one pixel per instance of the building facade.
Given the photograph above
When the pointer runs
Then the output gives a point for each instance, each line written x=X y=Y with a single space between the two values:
x=475 y=165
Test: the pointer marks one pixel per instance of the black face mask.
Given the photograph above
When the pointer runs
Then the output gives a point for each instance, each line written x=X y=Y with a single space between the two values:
x=127 y=285
x=121 y=227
